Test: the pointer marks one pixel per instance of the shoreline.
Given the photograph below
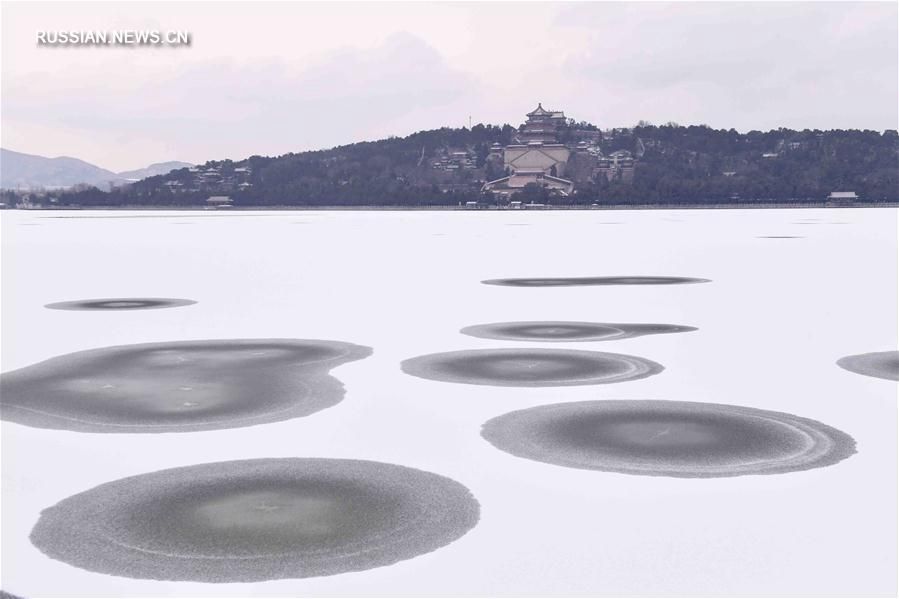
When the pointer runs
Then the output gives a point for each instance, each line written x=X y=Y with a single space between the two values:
x=397 y=208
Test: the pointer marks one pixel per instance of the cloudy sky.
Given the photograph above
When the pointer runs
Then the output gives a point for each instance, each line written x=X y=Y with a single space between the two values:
x=270 y=78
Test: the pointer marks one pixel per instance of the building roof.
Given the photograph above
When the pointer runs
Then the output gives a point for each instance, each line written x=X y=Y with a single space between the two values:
x=541 y=111
x=500 y=180
x=558 y=179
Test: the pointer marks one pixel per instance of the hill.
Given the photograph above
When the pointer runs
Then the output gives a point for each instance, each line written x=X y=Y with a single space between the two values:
x=668 y=164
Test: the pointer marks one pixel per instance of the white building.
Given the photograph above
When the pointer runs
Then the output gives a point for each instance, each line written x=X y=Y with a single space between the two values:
x=218 y=202
x=842 y=197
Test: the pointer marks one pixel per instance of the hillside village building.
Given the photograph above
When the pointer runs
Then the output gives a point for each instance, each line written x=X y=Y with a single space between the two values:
x=455 y=160
x=618 y=164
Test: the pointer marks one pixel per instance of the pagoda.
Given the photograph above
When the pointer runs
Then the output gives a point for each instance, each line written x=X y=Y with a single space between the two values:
x=542 y=126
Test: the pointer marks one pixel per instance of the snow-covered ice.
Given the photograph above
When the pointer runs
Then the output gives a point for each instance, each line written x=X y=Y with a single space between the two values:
x=772 y=322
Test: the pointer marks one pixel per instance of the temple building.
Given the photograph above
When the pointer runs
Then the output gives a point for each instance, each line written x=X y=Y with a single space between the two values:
x=542 y=125
x=537 y=158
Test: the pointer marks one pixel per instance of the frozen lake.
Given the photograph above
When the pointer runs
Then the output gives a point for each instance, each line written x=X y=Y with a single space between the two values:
x=790 y=292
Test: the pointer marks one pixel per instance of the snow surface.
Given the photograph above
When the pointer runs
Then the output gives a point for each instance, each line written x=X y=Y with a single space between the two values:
x=776 y=317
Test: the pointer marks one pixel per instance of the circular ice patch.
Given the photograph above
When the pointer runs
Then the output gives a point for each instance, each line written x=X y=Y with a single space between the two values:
x=569 y=331
x=121 y=303
x=179 y=386
x=255 y=520
x=883 y=365
x=530 y=367
x=577 y=281
x=668 y=438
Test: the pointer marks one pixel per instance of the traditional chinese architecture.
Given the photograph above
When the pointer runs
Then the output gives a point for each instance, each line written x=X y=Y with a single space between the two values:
x=617 y=165
x=537 y=158
x=542 y=126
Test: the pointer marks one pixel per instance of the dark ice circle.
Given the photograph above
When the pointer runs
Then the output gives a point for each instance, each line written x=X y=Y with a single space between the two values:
x=179 y=386
x=668 y=438
x=530 y=367
x=122 y=303
x=583 y=281
x=882 y=365
x=255 y=520
x=569 y=331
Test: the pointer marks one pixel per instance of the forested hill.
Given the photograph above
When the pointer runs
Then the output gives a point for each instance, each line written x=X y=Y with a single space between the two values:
x=673 y=164
x=709 y=164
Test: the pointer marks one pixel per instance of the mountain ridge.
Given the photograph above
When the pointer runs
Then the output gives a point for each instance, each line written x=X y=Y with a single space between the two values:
x=19 y=170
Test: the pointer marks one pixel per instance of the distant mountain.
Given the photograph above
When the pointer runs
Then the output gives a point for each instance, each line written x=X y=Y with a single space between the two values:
x=159 y=168
x=28 y=171
x=19 y=170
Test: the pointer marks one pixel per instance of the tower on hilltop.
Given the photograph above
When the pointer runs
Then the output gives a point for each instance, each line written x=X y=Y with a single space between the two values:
x=542 y=126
